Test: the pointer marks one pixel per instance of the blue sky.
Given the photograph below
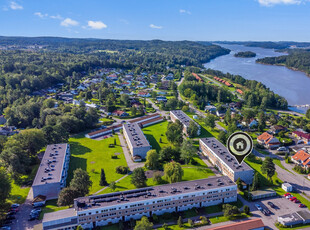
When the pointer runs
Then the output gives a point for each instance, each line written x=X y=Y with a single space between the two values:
x=239 y=20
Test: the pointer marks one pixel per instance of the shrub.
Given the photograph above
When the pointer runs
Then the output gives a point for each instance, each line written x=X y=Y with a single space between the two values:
x=122 y=169
x=194 y=162
x=113 y=157
x=167 y=216
x=157 y=178
x=155 y=218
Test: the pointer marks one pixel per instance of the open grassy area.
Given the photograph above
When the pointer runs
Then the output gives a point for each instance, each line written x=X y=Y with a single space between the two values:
x=92 y=155
x=219 y=219
x=19 y=192
x=51 y=206
x=156 y=132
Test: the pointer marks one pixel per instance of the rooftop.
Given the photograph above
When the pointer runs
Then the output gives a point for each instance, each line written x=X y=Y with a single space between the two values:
x=182 y=117
x=243 y=225
x=304 y=214
x=59 y=215
x=51 y=166
x=289 y=218
x=166 y=190
x=221 y=151
x=135 y=135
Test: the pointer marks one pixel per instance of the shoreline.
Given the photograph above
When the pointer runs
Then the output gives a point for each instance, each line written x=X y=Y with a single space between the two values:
x=291 y=68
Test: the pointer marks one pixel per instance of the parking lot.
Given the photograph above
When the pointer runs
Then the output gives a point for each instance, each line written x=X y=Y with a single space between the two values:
x=283 y=206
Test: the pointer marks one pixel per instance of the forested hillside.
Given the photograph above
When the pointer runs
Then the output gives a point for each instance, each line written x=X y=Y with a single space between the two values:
x=298 y=59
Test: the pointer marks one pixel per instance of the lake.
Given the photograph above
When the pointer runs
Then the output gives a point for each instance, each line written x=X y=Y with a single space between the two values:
x=293 y=85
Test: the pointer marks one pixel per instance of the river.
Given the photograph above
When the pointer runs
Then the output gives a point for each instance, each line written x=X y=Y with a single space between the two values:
x=293 y=85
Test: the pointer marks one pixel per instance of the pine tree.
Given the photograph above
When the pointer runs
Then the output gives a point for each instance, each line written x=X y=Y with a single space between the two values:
x=180 y=222
x=255 y=183
x=103 y=180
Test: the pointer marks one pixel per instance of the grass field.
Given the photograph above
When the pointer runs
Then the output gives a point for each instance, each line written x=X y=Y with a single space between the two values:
x=92 y=155
x=156 y=132
x=19 y=193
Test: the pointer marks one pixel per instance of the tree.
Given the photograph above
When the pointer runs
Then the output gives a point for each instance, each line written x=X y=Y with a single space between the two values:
x=308 y=114
x=152 y=159
x=79 y=228
x=180 y=222
x=5 y=185
x=255 y=183
x=157 y=177
x=175 y=132
x=192 y=129
x=103 y=180
x=222 y=137
x=168 y=153
x=114 y=141
x=125 y=99
x=190 y=222
x=138 y=178
x=81 y=181
x=133 y=111
x=246 y=209
x=239 y=183
x=210 y=121
x=203 y=220
x=112 y=185
x=165 y=226
x=230 y=210
x=188 y=151
x=144 y=224
x=173 y=172
x=67 y=196
x=268 y=167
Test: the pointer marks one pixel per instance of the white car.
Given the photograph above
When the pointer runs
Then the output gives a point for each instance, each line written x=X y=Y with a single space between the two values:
x=258 y=207
x=281 y=148
x=300 y=142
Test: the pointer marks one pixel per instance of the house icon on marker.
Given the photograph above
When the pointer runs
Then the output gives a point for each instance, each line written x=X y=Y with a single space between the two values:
x=240 y=145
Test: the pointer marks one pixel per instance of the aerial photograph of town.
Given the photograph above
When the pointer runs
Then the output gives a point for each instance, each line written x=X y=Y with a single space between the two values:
x=154 y=114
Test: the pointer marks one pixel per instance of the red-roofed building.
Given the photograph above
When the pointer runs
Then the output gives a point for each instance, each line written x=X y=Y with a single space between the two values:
x=268 y=140
x=255 y=224
x=305 y=137
x=119 y=113
x=239 y=91
x=302 y=158
x=197 y=77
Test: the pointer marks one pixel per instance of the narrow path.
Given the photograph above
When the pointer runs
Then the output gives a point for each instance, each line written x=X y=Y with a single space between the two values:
x=108 y=186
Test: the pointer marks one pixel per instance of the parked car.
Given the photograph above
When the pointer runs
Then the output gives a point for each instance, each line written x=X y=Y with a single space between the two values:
x=302 y=206
x=271 y=204
x=258 y=207
x=293 y=198
x=264 y=212
x=14 y=205
x=31 y=218
x=13 y=209
x=267 y=211
x=300 y=142
x=296 y=201
x=281 y=148
x=287 y=194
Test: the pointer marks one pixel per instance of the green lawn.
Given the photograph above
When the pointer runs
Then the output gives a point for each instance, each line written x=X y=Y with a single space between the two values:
x=92 y=155
x=196 y=173
x=51 y=206
x=219 y=219
x=19 y=192
x=156 y=132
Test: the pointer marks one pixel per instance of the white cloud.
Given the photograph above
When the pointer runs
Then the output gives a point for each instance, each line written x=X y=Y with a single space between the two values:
x=39 y=14
x=182 y=11
x=56 y=17
x=15 y=6
x=155 y=27
x=69 y=22
x=96 y=25
x=275 y=2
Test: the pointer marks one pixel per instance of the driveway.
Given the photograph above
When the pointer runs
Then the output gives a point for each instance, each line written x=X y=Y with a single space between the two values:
x=21 y=222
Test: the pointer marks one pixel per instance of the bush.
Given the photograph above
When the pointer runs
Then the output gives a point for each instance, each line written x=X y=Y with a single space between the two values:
x=122 y=169
x=157 y=178
x=194 y=162
x=167 y=216
x=113 y=157
x=155 y=218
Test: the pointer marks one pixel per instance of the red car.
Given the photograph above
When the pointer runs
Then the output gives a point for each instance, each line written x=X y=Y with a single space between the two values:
x=302 y=206
x=293 y=198
x=296 y=201
x=287 y=194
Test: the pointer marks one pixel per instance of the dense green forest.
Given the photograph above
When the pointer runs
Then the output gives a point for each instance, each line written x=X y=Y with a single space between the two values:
x=246 y=54
x=257 y=95
x=298 y=59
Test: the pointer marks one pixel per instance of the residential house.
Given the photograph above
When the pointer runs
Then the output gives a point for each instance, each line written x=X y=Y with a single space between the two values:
x=8 y=130
x=277 y=128
x=169 y=77
x=161 y=98
x=2 y=120
x=120 y=113
x=210 y=108
x=302 y=158
x=253 y=123
x=220 y=113
x=268 y=140
x=112 y=77
x=305 y=137
x=144 y=94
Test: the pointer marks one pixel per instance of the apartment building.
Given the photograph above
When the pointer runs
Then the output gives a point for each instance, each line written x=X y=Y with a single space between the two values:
x=52 y=172
x=184 y=119
x=101 y=210
x=218 y=154
x=136 y=141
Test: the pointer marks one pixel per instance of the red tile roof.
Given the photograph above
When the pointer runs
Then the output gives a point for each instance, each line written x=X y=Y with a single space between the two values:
x=264 y=137
x=302 y=134
x=301 y=155
x=243 y=225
